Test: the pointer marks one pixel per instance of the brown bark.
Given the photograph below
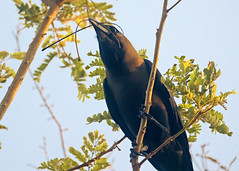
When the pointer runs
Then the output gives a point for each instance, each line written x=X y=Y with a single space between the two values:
x=149 y=91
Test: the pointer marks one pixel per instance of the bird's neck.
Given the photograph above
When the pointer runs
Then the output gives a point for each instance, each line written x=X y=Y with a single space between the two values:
x=125 y=64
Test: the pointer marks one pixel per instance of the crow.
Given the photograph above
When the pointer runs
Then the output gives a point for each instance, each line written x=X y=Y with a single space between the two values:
x=127 y=75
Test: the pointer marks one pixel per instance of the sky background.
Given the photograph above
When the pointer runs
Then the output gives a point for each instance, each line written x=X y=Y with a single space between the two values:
x=205 y=30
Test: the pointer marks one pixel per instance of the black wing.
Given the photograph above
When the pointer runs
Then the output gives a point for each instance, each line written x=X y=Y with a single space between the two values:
x=173 y=116
x=168 y=100
x=114 y=111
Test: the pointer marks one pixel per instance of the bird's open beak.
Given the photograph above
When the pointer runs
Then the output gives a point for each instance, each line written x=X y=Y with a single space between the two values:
x=98 y=26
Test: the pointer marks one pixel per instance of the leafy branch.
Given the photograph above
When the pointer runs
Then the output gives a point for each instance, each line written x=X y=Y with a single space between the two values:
x=203 y=102
x=12 y=90
x=93 y=149
x=198 y=92
x=99 y=156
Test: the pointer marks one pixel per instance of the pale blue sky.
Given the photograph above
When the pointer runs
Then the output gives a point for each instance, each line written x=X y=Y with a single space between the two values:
x=204 y=30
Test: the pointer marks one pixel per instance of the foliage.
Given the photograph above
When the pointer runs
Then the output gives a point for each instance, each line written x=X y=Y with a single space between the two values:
x=5 y=71
x=103 y=116
x=142 y=53
x=37 y=74
x=198 y=93
x=32 y=14
x=2 y=127
x=92 y=147
x=98 y=73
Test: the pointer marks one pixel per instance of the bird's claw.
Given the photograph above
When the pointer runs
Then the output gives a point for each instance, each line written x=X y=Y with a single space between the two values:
x=143 y=114
x=134 y=153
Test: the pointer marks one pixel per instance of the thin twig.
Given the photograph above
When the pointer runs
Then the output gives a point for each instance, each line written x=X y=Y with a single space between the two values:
x=17 y=81
x=45 y=148
x=174 y=5
x=194 y=159
x=58 y=38
x=77 y=50
x=64 y=38
x=232 y=162
x=32 y=166
x=148 y=102
x=99 y=156
x=52 y=114
x=16 y=36
x=173 y=137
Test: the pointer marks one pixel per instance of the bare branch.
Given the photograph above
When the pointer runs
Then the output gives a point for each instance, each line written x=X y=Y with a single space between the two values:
x=194 y=160
x=173 y=6
x=44 y=148
x=16 y=36
x=32 y=166
x=147 y=104
x=51 y=113
x=232 y=162
x=99 y=156
x=13 y=88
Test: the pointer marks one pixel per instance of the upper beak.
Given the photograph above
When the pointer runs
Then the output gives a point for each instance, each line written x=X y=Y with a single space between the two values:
x=98 y=27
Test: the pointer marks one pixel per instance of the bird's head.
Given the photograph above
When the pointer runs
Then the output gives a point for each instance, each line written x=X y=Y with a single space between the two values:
x=115 y=49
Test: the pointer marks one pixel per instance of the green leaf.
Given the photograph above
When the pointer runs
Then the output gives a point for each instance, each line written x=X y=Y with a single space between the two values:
x=3 y=127
x=105 y=116
x=142 y=53
x=198 y=93
x=58 y=164
x=223 y=129
x=91 y=137
x=77 y=154
x=18 y=1
x=3 y=54
x=37 y=73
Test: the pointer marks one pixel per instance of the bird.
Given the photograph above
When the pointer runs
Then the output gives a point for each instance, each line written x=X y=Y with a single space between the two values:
x=125 y=84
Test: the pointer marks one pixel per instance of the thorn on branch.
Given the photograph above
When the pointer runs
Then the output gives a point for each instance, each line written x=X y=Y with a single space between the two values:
x=118 y=148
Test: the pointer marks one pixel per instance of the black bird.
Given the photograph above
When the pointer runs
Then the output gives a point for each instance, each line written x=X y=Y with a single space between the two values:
x=125 y=85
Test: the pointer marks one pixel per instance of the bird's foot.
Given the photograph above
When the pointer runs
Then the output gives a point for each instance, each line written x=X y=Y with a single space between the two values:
x=134 y=153
x=133 y=143
x=143 y=114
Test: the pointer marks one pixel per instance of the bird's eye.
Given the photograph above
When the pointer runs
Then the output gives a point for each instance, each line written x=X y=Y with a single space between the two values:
x=113 y=29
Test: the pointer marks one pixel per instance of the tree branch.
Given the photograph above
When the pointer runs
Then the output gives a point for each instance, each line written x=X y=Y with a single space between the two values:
x=13 y=88
x=148 y=102
x=52 y=114
x=174 y=5
x=149 y=91
x=99 y=156
x=45 y=148
x=173 y=137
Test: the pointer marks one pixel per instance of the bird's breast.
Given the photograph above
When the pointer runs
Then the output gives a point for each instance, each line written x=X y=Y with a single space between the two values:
x=129 y=94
